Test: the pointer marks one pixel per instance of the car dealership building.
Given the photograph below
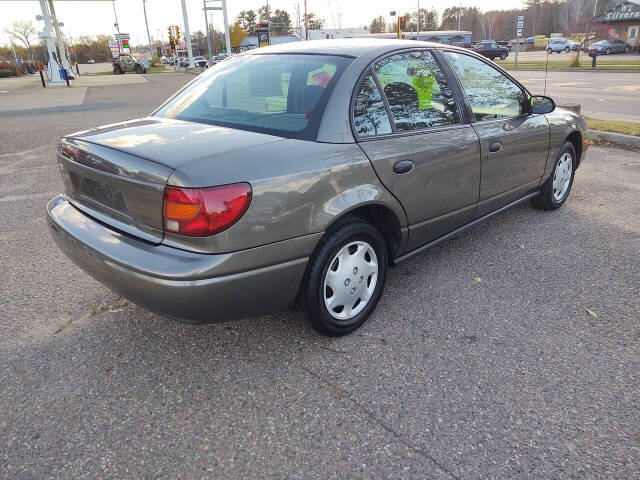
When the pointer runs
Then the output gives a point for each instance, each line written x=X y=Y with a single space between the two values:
x=623 y=22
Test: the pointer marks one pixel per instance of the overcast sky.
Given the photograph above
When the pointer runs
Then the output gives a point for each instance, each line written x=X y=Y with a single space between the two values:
x=95 y=17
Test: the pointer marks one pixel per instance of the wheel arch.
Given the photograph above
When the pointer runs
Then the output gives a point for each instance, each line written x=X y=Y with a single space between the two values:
x=382 y=217
x=575 y=138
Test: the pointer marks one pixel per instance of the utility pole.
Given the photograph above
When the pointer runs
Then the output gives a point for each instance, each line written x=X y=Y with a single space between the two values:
x=226 y=27
x=418 y=27
x=187 y=33
x=144 y=8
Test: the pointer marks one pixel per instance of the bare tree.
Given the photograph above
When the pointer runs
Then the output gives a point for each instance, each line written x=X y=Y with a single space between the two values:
x=23 y=32
x=487 y=22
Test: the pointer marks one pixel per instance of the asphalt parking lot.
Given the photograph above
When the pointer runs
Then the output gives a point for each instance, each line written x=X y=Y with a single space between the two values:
x=510 y=352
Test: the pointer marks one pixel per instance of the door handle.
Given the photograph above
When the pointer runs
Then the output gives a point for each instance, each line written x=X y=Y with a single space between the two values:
x=403 y=166
x=495 y=147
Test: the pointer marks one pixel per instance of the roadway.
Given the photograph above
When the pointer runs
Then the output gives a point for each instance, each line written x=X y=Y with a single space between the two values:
x=603 y=95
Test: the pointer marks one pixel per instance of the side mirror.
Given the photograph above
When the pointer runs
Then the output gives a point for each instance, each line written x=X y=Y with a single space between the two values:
x=542 y=104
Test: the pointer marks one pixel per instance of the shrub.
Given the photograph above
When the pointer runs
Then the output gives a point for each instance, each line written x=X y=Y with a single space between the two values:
x=4 y=73
x=575 y=61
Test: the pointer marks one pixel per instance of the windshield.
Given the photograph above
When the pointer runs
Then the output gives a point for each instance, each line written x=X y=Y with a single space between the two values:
x=284 y=95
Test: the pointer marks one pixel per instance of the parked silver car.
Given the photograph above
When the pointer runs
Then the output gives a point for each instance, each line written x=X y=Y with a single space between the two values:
x=607 y=47
x=298 y=173
x=562 y=45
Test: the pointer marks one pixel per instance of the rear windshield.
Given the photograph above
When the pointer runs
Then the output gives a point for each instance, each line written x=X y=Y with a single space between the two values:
x=283 y=95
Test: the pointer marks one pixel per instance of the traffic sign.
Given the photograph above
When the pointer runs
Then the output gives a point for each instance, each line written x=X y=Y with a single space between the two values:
x=519 y=32
x=520 y=23
x=520 y=17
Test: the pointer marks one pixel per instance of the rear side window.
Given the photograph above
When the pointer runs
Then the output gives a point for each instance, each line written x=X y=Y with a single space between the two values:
x=491 y=94
x=416 y=90
x=283 y=94
x=369 y=113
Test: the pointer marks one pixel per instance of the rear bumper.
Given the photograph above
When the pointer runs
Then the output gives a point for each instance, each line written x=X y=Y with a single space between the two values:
x=201 y=288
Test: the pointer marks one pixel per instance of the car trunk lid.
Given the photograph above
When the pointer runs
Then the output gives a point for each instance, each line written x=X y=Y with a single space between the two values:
x=117 y=188
x=173 y=142
x=117 y=173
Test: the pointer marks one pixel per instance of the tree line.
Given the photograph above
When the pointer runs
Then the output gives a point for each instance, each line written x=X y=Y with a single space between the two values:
x=541 y=18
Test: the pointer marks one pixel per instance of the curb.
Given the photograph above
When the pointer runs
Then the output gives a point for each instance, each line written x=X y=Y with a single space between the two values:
x=615 y=138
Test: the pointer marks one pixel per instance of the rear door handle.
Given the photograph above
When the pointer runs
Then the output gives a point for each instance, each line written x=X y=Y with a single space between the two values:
x=403 y=166
x=495 y=147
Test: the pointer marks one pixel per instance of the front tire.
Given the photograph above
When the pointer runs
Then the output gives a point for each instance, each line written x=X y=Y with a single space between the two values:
x=607 y=51
x=344 y=279
x=567 y=49
x=555 y=190
x=503 y=56
x=549 y=50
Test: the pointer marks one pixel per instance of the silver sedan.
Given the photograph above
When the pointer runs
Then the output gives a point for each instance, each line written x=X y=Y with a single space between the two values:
x=297 y=174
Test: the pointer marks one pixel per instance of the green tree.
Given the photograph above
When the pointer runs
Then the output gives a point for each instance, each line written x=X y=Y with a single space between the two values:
x=312 y=22
x=247 y=20
x=264 y=13
x=378 y=25
x=280 y=22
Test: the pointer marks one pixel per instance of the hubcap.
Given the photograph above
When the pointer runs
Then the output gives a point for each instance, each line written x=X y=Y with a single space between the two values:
x=350 y=280
x=562 y=177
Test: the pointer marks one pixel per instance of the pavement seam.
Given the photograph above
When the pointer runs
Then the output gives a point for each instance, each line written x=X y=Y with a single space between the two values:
x=379 y=422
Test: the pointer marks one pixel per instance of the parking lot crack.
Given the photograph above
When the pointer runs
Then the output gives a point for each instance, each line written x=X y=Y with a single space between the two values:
x=381 y=423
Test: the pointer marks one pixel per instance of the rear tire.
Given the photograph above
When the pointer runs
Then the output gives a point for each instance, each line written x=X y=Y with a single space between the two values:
x=344 y=279
x=139 y=69
x=549 y=50
x=503 y=56
x=555 y=191
x=567 y=49
x=607 y=51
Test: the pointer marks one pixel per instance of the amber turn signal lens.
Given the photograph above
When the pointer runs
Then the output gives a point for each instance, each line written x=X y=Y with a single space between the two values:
x=180 y=211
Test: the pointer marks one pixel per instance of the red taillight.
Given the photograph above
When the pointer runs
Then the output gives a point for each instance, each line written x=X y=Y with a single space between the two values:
x=200 y=212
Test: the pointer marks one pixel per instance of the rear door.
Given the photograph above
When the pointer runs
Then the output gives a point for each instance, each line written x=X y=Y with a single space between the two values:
x=514 y=143
x=411 y=126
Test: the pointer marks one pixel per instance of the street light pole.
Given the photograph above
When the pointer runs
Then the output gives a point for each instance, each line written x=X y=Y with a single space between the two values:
x=144 y=8
x=117 y=25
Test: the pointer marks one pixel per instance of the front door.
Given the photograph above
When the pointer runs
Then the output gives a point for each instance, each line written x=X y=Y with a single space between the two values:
x=514 y=144
x=409 y=125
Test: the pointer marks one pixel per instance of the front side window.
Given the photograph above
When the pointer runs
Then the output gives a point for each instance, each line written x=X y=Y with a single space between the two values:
x=491 y=94
x=280 y=94
x=369 y=113
x=416 y=90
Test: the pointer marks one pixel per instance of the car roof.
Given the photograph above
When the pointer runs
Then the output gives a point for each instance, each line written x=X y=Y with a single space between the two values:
x=348 y=47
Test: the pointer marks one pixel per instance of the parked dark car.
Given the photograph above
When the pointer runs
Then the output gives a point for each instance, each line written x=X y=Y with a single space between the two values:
x=491 y=50
x=607 y=47
x=254 y=189
x=127 y=63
